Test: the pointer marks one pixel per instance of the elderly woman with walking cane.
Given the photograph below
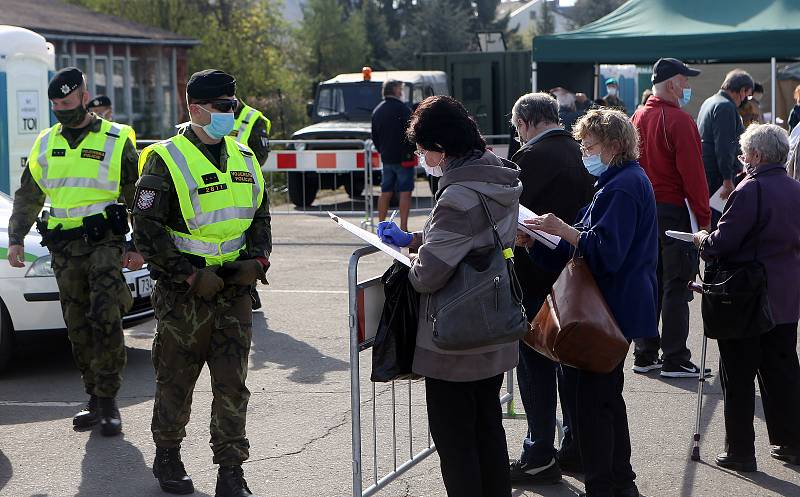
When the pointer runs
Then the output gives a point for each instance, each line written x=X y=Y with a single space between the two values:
x=753 y=267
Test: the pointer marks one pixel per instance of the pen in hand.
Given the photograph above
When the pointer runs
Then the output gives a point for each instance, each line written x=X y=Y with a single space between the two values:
x=391 y=218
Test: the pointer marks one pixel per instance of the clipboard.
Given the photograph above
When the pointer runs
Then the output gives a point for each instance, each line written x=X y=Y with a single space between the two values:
x=372 y=239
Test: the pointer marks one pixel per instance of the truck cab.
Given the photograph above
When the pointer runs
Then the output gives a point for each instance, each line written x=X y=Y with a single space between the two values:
x=342 y=110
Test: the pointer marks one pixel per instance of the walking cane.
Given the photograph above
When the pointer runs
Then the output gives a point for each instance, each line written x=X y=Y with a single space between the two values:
x=701 y=381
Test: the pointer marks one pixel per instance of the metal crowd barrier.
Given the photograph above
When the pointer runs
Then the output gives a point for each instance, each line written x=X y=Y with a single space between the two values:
x=365 y=305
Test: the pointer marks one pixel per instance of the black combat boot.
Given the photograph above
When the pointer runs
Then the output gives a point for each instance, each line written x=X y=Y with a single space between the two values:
x=168 y=469
x=231 y=483
x=88 y=417
x=110 y=420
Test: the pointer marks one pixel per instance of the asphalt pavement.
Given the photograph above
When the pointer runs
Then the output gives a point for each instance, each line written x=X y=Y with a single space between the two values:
x=299 y=422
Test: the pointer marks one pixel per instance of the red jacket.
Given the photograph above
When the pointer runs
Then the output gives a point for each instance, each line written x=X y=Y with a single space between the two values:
x=671 y=155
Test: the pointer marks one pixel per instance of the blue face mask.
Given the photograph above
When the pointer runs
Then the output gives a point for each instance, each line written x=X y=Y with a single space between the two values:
x=221 y=124
x=594 y=164
x=687 y=95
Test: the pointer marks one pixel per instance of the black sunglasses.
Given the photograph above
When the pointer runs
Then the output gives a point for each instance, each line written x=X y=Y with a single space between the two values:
x=221 y=104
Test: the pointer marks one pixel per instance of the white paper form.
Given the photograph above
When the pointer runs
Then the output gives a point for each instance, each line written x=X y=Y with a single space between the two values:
x=549 y=241
x=716 y=201
x=692 y=218
x=372 y=239
x=680 y=235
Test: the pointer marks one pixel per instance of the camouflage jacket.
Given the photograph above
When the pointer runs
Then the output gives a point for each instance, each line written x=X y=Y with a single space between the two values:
x=29 y=198
x=163 y=212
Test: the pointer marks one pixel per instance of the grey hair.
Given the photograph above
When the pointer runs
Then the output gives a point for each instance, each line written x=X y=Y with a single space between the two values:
x=769 y=140
x=736 y=80
x=535 y=108
x=389 y=87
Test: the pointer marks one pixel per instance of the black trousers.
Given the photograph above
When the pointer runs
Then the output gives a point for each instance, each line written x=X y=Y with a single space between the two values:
x=604 y=440
x=677 y=265
x=772 y=358
x=466 y=424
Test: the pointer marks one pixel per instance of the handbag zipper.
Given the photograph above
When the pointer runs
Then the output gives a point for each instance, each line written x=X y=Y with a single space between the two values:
x=496 y=293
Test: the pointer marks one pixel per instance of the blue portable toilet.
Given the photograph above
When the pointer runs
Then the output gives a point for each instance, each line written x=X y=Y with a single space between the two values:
x=27 y=61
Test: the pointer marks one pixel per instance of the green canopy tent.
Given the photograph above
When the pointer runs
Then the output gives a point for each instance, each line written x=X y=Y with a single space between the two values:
x=642 y=31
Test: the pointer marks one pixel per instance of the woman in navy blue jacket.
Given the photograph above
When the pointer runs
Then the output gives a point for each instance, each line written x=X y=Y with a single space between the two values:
x=617 y=235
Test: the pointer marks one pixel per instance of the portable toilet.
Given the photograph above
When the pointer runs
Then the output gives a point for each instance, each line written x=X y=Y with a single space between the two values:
x=27 y=61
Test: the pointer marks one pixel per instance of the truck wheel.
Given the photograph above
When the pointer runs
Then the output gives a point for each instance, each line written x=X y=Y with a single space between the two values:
x=302 y=188
x=354 y=186
x=6 y=337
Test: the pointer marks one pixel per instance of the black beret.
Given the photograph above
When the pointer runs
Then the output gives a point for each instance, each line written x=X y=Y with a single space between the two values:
x=99 y=101
x=64 y=82
x=209 y=84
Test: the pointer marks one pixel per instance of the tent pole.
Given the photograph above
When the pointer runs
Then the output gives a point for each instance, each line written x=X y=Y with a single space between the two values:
x=773 y=98
x=534 y=82
x=596 y=81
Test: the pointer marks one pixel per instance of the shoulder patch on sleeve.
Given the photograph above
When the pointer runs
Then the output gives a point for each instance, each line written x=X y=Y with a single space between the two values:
x=145 y=198
x=152 y=182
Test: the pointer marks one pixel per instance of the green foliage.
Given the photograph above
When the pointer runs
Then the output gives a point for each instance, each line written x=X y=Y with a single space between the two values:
x=434 y=26
x=545 y=24
x=331 y=41
x=586 y=11
x=247 y=38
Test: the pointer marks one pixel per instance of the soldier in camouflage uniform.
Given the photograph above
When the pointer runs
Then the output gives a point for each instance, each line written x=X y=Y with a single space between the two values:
x=202 y=300
x=255 y=136
x=94 y=295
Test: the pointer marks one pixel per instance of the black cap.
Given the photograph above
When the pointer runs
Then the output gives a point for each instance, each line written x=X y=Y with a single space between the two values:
x=664 y=69
x=209 y=84
x=64 y=82
x=99 y=101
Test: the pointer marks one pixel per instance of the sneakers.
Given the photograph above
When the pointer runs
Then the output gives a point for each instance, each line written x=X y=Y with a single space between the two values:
x=685 y=369
x=231 y=483
x=742 y=464
x=785 y=453
x=645 y=364
x=170 y=472
x=548 y=474
x=88 y=417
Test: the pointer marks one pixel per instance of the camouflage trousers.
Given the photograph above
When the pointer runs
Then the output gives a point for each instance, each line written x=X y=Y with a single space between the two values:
x=192 y=332
x=94 y=297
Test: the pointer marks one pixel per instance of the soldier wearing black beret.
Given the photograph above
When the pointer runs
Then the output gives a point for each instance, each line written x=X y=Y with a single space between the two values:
x=84 y=166
x=101 y=105
x=203 y=226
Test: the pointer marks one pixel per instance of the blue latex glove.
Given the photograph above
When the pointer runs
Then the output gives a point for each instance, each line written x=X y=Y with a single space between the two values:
x=389 y=232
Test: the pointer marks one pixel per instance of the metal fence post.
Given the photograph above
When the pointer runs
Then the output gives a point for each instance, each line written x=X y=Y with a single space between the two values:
x=368 y=195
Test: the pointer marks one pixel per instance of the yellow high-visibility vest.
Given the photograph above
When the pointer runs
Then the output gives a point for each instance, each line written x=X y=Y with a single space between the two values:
x=83 y=181
x=217 y=207
x=243 y=125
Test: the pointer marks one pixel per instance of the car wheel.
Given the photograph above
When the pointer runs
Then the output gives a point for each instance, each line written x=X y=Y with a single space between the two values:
x=302 y=188
x=6 y=337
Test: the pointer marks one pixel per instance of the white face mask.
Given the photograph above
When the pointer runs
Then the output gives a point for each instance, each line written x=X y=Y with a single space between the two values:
x=612 y=92
x=432 y=170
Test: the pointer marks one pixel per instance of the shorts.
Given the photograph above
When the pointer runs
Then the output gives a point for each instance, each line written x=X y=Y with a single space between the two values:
x=397 y=178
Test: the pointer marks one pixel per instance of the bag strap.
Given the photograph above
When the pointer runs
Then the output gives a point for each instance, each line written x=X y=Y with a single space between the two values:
x=508 y=253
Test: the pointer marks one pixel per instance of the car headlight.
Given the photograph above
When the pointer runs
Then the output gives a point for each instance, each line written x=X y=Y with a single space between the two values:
x=41 y=267
x=299 y=146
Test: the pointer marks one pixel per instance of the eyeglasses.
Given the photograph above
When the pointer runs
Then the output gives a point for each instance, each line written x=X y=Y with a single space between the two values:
x=221 y=104
x=585 y=148
x=420 y=153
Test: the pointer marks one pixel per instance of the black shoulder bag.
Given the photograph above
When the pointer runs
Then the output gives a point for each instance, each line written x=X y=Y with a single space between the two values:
x=735 y=303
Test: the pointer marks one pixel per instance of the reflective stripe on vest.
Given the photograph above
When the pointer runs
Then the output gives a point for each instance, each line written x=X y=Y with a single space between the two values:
x=202 y=218
x=83 y=211
x=99 y=183
x=243 y=127
x=208 y=249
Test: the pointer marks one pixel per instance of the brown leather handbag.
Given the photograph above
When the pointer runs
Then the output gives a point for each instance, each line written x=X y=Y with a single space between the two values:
x=575 y=325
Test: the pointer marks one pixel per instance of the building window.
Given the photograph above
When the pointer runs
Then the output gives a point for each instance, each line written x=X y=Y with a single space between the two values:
x=118 y=97
x=99 y=76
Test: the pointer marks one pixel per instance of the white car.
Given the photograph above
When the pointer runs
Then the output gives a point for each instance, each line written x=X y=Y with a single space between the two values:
x=29 y=296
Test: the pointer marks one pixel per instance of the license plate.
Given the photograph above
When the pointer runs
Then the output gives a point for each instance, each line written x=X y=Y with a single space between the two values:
x=144 y=286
